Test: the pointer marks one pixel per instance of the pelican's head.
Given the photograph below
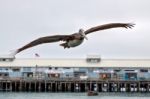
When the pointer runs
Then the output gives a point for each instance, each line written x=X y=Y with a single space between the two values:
x=81 y=32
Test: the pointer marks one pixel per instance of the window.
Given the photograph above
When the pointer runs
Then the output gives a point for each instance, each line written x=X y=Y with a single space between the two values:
x=67 y=75
x=93 y=60
x=27 y=69
x=143 y=70
x=6 y=59
x=66 y=67
x=16 y=70
x=129 y=70
x=3 y=59
x=117 y=70
x=79 y=73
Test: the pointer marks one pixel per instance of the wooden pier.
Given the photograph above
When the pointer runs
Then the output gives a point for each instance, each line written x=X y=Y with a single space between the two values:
x=71 y=85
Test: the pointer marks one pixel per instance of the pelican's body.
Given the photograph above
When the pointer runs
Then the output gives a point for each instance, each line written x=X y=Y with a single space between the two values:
x=74 y=43
x=72 y=40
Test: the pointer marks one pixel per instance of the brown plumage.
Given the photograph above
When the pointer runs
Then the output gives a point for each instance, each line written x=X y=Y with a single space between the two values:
x=108 y=26
x=75 y=39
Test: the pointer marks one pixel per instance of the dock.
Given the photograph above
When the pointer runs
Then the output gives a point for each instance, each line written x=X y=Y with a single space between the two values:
x=71 y=85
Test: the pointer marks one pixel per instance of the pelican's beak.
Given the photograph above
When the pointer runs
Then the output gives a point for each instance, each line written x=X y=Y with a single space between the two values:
x=85 y=36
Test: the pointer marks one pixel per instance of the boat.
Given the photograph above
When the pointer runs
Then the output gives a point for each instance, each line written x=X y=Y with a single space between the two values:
x=92 y=93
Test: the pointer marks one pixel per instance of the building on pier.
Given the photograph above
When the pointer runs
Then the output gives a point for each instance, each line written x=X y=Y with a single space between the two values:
x=74 y=75
x=93 y=67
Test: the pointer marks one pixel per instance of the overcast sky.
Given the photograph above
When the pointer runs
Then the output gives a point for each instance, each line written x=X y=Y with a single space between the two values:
x=22 y=21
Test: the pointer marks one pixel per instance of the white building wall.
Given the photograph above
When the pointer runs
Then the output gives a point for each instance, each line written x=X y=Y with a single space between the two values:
x=32 y=62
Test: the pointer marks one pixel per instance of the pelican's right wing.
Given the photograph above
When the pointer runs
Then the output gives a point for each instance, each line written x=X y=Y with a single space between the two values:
x=108 y=26
x=47 y=39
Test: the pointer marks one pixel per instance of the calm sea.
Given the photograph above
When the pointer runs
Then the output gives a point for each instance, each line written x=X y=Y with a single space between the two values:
x=11 y=95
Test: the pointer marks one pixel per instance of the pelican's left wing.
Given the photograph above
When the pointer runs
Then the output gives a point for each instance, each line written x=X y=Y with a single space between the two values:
x=108 y=26
x=42 y=40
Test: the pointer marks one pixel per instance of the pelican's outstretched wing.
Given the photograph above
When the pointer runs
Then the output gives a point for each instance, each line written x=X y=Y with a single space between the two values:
x=108 y=26
x=47 y=39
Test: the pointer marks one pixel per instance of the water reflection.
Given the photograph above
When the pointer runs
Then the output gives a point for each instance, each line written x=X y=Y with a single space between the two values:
x=13 y=95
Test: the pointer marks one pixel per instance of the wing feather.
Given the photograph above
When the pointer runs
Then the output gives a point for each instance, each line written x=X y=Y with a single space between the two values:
x=47 y=39
x=108 y=26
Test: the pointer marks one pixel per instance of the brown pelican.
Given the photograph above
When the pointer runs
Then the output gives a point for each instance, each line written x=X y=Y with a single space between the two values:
x=72 y=40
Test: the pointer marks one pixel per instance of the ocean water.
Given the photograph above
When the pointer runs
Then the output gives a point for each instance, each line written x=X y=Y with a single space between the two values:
x=13 y=95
